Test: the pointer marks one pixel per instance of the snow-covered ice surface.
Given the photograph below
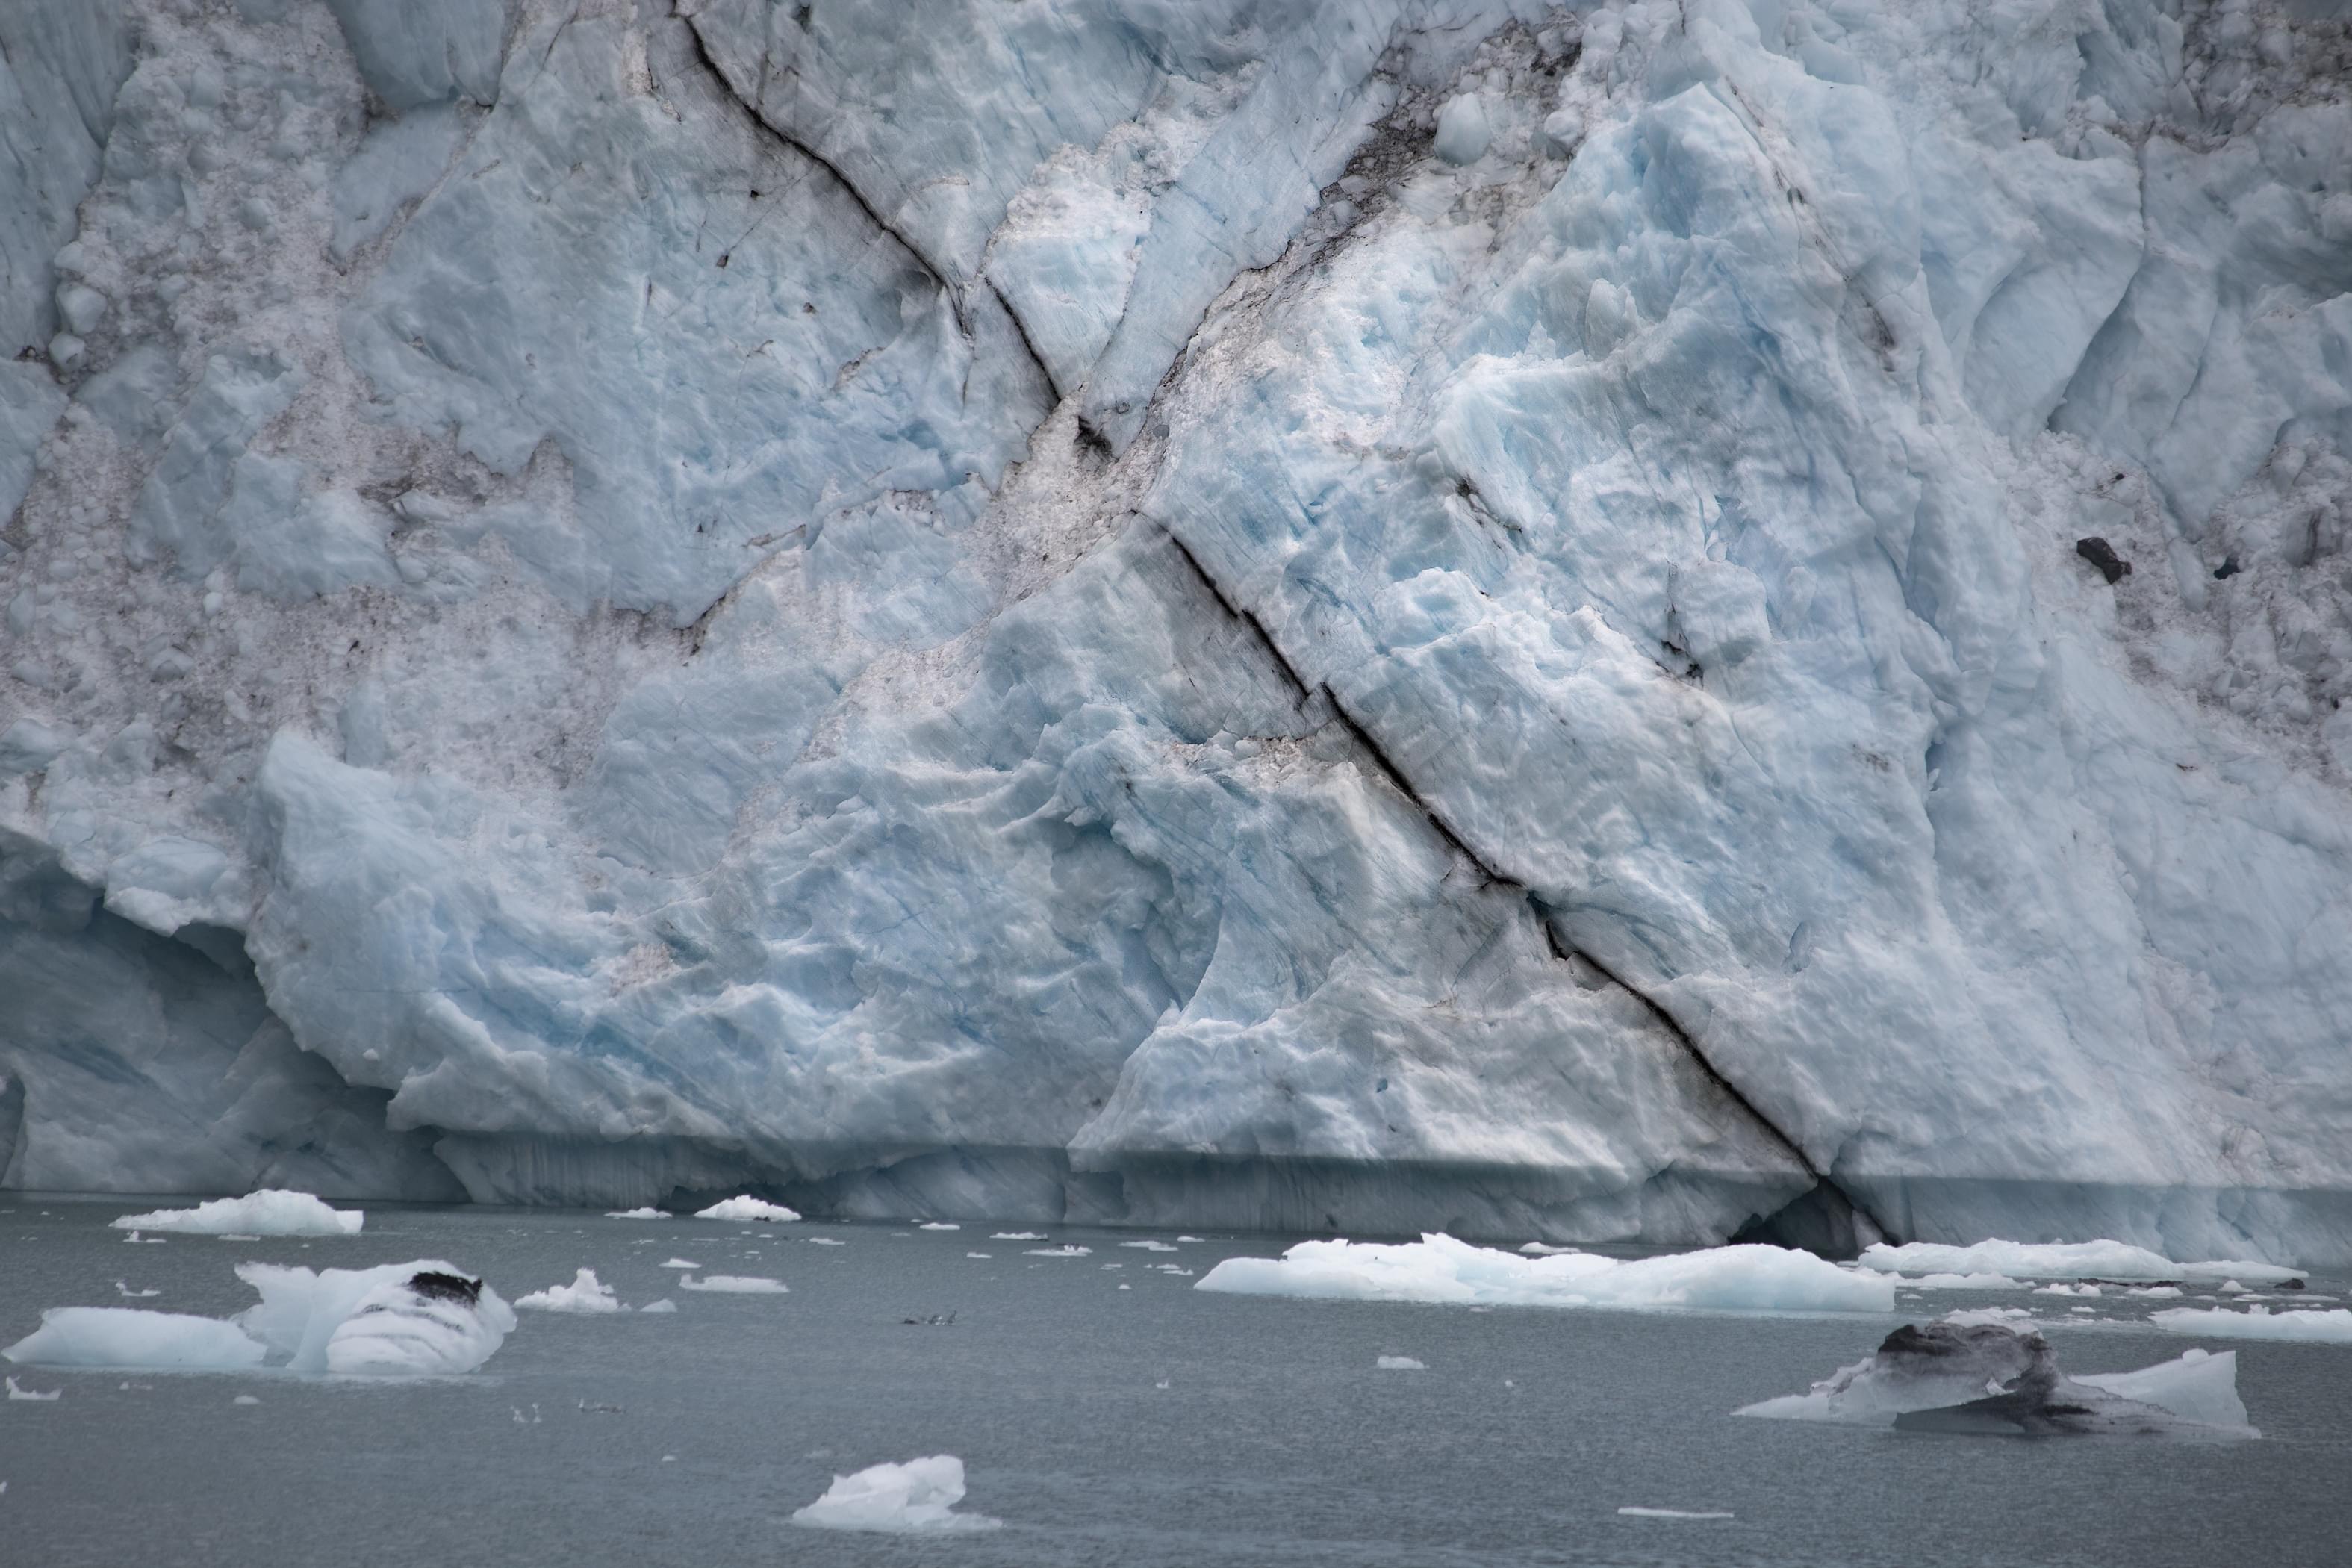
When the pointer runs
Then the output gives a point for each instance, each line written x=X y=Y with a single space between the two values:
x=915 y=1498
x=1362 y=614
x=585 y=1294
x=1748 y=1278
x=395 y=1320
x=2318 y=1326
x=1989 y=1378
x=256 y=1215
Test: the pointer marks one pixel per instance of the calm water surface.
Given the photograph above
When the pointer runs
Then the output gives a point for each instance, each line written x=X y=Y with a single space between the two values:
x=1274 y=1441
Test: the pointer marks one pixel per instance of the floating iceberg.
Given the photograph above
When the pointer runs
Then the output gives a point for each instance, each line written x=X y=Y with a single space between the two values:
x=1018 y=1235
x=1440 y=1269
x=747 y=1208
x=1150 y=1246
x=33 y=1396
x=1070 y=1251
x=645 y=1213
x=1400 y=1364
x=664 y=1305
x=2069 y=1260
x=734 y=1284
x=585 y=1294
x=678 y=1263
x=2304 y=1325
x=1988 y=1378
x=916 y=1498
x=938 y=1225
x=424 y=1317
x=265 y=1213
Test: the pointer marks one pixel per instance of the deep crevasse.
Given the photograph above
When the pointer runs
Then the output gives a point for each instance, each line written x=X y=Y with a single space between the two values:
x=1380 y=616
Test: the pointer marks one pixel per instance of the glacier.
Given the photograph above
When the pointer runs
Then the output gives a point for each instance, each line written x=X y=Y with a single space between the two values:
x=1367 y=614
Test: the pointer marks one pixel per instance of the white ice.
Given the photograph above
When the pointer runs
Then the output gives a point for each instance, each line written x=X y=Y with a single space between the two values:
x=747 y=1208
x=938 y=1225
x=918 y=1497
x=678 y=1263
x=585 y=1294
x=1400 y=1364
x=1018 y=1235
x=734 y=1284
x=1072 y=1250
x=1441 y=1268
x=1149 y=1246
x=646 y=1211
x=265 y=1213
x=2324 y=1326
x=1672 y=1513
x=2071 y=1261
x=664 y=1305
x=1963 y=1282
x=31 y=1394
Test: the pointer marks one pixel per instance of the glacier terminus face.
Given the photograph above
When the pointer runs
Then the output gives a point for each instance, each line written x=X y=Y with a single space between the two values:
x=1651 y=621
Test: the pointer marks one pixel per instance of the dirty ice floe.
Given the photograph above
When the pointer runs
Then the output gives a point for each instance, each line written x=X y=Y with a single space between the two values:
x=918 y=1497
x=1988 y=1378
x=735 y=1284
x=269 y=1212
x=2330 y=1326
x=585 y=1294
x=418 y=1317
x=1440 y=1269
x=2067 y=1260
x=747 y=1208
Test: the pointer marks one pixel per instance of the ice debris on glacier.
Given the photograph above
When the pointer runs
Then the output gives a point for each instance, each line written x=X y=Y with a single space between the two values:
x=1437 y=1268
x=2304 y=1325
x=748 y=1208
x=916 y=1498
x=256 y=1215
x=1988 y=1378
x=2091 y=1260
x=586 y=1293
x=399 y=1318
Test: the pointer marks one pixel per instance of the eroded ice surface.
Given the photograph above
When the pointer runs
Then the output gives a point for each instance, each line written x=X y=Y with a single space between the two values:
x=1364 y=614
x=265 y=1213
x=1442 y=1268
x=420 y=1317
x=918 y=1497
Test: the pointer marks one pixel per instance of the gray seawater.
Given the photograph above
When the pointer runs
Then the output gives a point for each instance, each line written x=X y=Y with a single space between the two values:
x=1275 y=1441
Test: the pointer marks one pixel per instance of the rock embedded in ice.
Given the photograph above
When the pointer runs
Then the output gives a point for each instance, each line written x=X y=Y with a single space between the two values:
x=918 y=1497
x=747 y=1208
x=426 y=1318
x=1437 y=1268
x=2304 y=1325
x=585 y=1294
x=2111 y=1260
x=265 y=1213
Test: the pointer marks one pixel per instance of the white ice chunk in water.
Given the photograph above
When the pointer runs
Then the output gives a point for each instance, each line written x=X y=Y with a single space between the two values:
x=244 y=1399
x=1982 y=1317
x=826 y=1241
x=747 y=1208
x=939 y=1224
x=121 y=1288
x=269 y=1212
x=1438 y=1267
x=918 y=1497
x=734 y=1284
x=2067 y=1260
x=34 y=1395
x=1672 y=1513
x=2324 y=1326
x=585 y=1294
x=678 y=1263
x=128 y=1337
x=1149 y=1246
x=647 y=1213
x=664 y=1305
x=1400 y=1364
x=1070 y=1251
x=1018 y=1235
x=1965 y=1282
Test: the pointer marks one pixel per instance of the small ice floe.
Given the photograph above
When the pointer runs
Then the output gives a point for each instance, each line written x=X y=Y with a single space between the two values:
x=244 y=1399
x=1170 y=1270
x=735 y=1284
x=2101 y=1260
x=664 y=1305
x=1111 y=1265
x=590 y=1407
x=826 y=1241
x=2231 y=1287
x=1018 y=1235
x=1983 y=1317
x=1400 y=1364
x=2329 y=1326
x=916 y=1498
x=269 y=1212
x=149 y=1240
x=1192 y=1239
x=585 y=1294
x=1149 y=1246
x=1070 y=1251
x=645 y=1213
x=939 y=1224
x=1126 y=1287
x=748 y=1208
x=1987 y=1379
x=2154 y=1292
x=125 y=1290
x=677 y=1263
x=1438 y=1267
x=1964 y=1282
x=1545 y=1249
x=1672 y=1513
x=980 y=1255
x=2063 y=1289
x=402 y=1319
x=33 y=1396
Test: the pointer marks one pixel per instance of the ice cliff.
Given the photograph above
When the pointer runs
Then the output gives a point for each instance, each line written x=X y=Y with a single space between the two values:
x=1379 y=614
